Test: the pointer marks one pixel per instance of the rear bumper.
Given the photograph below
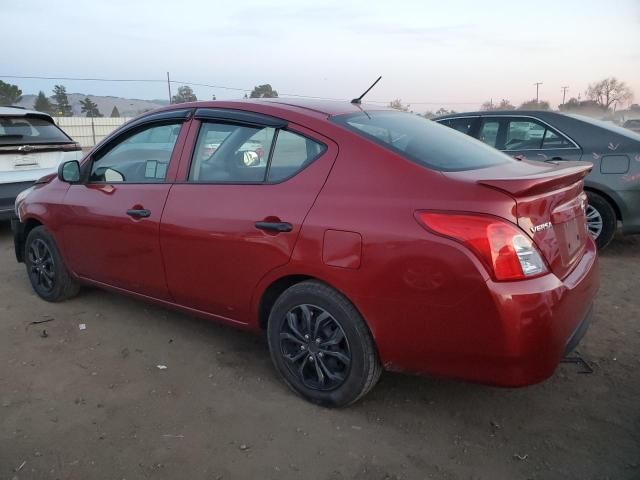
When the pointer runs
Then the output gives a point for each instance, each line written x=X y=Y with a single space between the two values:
x=499 y=333
x=8 y=194
x=543 y=325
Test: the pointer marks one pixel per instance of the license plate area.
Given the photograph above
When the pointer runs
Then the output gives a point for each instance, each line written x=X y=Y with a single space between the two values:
x=21 y=162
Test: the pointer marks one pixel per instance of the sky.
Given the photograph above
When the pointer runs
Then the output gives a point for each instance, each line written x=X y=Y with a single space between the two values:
x=455 y=54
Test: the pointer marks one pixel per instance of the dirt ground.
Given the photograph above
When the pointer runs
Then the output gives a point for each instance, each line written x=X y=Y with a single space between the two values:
x=92 y=404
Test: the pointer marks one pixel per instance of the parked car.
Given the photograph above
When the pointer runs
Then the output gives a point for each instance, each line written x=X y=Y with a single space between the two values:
x=633 y=124
x=31 y=145
x=371 y=239
x=613 y=186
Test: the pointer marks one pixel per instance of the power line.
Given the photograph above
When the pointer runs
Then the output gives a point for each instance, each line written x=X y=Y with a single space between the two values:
x=85 y=79
x=221 y=87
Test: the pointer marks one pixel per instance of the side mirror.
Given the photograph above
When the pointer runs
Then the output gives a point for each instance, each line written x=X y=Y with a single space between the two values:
x=69 y=171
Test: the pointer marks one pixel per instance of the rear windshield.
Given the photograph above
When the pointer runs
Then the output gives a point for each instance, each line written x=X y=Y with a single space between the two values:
x=608 y=126
x=423 y=141
x=21 y=130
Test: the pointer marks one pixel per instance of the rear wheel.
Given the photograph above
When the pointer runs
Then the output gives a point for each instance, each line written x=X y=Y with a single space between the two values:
x=321 y=346
x=601 y=219
x=48 y=275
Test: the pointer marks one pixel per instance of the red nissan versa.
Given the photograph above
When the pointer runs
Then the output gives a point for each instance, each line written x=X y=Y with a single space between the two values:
x=367 y=239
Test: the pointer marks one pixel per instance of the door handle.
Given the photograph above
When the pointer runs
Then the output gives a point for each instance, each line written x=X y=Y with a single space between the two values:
x=139 y=212
x=274 y=226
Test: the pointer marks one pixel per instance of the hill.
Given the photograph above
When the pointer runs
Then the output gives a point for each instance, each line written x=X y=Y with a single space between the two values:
x=128 y=107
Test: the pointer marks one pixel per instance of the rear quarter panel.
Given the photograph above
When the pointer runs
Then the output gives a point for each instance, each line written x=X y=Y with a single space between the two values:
x=418 y=293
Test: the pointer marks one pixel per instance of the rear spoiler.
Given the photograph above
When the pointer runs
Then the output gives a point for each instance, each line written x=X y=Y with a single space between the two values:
x=565 y=174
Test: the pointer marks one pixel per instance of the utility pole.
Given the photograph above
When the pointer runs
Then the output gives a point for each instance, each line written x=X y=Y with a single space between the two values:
x=564 y=93
x=169 y=86
x=537 y=84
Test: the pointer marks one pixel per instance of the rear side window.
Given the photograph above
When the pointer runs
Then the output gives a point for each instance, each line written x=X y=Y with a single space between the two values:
x=292 y=153
x=529 y=134
x=231 y=153
x=422 y=141
x=32 y=130
x=227 y=153
x=524 y=135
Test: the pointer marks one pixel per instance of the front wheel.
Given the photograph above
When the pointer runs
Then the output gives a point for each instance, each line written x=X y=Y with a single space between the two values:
x=601 y=219
x=321 y=346
x=48 y=275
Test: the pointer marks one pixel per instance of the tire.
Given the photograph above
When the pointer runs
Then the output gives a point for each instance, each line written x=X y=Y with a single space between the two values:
x=341 y=334
x=49 y=276
x=601 y=220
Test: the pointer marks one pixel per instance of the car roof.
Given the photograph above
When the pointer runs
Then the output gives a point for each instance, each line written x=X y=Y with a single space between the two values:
x=314 y=107
x=21 y=112
x=500 y=113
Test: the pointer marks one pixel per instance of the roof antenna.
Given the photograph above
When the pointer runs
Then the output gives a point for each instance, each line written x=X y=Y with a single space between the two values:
x=358 y=101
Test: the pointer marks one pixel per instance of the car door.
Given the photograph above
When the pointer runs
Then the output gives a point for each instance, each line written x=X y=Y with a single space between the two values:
x=247 y=185
x=112 y=218
x=528 y=137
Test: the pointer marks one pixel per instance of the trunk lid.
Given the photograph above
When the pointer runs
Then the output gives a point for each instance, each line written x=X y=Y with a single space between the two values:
x=550 y=206
x=35 y=157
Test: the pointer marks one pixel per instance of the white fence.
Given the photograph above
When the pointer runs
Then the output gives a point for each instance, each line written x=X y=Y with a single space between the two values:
x=89 y=131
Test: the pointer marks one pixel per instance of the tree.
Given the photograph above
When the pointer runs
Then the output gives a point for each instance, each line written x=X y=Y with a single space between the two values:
x=9 y=94
x=535 y=105
x=115 y=112
x=43 y=104
x=90 y=108
x=185 y=94
x=488 y=105
x=586 y=107
x=444 y=111
x=263 y=91
x=62 y=106
x=609 y=91
x=398 y=105
x=505 y=105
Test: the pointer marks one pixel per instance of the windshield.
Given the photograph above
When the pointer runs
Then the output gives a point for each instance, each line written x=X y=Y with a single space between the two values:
x=32 y=130
x=423 y=141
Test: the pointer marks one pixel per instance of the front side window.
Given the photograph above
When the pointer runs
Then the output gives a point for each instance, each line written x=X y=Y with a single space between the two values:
x=140 y=158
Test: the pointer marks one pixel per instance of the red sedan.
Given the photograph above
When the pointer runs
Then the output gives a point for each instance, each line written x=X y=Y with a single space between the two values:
x=366 y=239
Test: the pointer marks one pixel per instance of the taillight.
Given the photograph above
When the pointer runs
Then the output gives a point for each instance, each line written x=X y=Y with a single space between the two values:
x=71 y=147
x=501 y=246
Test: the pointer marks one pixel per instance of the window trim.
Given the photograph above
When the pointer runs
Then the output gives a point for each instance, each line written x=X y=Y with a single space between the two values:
x=116 y=140
x=265 y=181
